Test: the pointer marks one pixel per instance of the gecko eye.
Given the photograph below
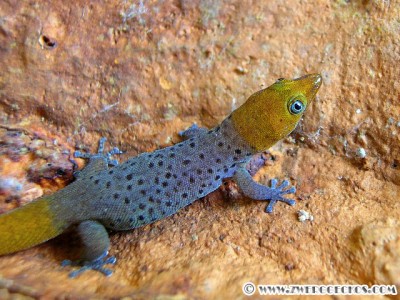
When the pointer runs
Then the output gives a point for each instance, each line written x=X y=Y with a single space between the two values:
x=296 y=107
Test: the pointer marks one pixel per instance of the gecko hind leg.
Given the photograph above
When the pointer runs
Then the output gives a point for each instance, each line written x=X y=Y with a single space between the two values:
x=93 y=251
x=192 y=131
x=95 y=265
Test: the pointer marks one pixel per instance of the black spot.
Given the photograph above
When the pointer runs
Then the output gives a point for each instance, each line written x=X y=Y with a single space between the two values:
x=203 y=185
x=129 y=187
x=142 y=206
x=156 y=180
x=184 y=174
x=127 y=201
x=108 y=184
x=179 y=183
x=201 y=191
x=210 y=131
x=186 y=162
x=172 y=155
x=191 y=180
x=140 y=218
x=180 y=145
x=217 y=177
x=226 y=170
x=160 y=163
x=133 y=209
x=220 y=144
x=158 y=155
x=218 y=160
x=201 y=155
x=133 y=163
x=175 y=176
x=119 y=220
x=168 y=175
x=151 y=165
x=238 y=151
x=176 y=189
x=192 y=145
x=168 y=203
x=151 y=199
x=165 y=184
x=163 y=212
x=169 y=167
x=184 y=195
x=229 y=147
x=91 y=177
x=233 y=165
x=199 y=171
x=143 y=192
x=96 y=181
x=217 y=129
x=129 y=176
x=130 y=220
x=210 y=171
x=168 y=194
x=116 y=196
x=140 y=182
x=151 y=210
x=111 y=172
x=249 y=154
x=158 y=201
x=157 y=192
x=235 y=158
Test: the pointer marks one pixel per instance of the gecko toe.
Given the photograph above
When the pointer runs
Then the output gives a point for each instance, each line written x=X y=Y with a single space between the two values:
x=284 y=184
x=270 y=208
x=274 y=182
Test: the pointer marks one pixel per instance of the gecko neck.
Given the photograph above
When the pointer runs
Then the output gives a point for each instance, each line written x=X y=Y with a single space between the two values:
x=229 y=144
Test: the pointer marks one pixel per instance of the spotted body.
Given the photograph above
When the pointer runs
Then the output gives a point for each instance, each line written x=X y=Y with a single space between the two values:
x=152 y=186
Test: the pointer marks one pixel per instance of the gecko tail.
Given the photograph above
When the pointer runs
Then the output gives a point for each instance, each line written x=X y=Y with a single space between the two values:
x=29 y=225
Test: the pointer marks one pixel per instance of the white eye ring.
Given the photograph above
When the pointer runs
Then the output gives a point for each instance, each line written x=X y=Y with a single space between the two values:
x=296 y=107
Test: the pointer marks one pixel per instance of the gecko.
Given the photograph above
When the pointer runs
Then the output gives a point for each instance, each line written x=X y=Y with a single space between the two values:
x=106 y=195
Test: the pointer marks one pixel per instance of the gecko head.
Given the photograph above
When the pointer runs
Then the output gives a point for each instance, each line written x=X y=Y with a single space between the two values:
x=272 y=113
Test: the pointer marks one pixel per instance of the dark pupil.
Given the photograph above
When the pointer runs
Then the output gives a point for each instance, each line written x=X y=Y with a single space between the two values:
x=296 y=107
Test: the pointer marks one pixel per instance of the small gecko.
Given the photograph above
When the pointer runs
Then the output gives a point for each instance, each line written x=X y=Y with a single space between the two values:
x=155 y=185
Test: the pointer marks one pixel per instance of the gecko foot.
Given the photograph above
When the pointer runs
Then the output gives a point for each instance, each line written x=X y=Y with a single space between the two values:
x=107 y=156
x=96 y=265
x=280 y=190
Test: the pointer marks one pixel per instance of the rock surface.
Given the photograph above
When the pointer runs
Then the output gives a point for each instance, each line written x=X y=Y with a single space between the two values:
x=139 y=72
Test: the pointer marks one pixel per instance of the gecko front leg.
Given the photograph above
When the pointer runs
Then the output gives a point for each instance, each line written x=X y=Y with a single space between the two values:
x=257 y=191
x=192 y=131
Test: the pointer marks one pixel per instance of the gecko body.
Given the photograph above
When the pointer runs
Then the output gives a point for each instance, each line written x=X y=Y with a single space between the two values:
x=152 y=186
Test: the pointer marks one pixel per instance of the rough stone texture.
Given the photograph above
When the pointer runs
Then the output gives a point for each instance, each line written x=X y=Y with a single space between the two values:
x=138 y=74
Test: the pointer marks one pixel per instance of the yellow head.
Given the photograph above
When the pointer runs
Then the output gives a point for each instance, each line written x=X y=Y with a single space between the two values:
x=272 y=113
